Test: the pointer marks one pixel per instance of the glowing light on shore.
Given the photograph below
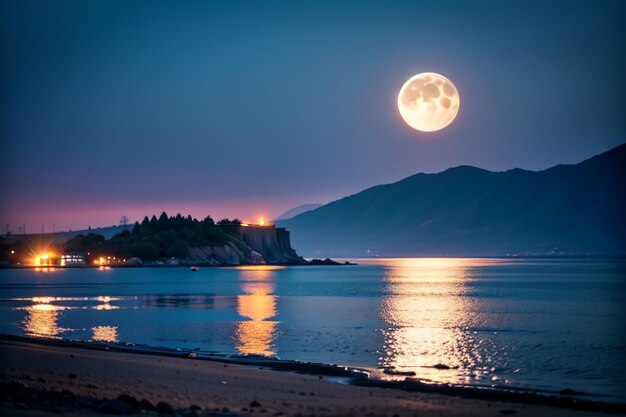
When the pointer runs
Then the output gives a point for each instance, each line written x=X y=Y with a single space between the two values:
x=44 y=259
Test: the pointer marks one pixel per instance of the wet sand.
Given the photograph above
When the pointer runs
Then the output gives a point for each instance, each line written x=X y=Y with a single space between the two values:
x=46 y=379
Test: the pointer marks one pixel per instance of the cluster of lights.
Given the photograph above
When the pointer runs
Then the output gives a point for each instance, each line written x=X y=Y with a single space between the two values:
x=46 y=260
x=43 y=260
x=261 y=223
x=102 y=261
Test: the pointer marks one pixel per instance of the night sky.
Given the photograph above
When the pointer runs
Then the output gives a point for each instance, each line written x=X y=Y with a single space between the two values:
x=242 y=109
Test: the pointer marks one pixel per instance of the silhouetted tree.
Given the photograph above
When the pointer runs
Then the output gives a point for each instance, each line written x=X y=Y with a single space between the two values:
x=167 y=237
x=85 y=243
x=144 y=250
x=178 y=250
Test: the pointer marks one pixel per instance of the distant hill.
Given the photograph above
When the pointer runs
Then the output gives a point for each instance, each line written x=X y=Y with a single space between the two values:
x=166 y=240
x=466 y=211
x=62 y=237
x=108 y=232
x=296 y=211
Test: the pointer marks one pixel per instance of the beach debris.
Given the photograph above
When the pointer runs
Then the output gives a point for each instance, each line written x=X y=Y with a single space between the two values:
x=146 y=405
x=130 y=400
x=192 y=355
x=165 y=408
x=255 y=404
x=223 y=382
x=115 y=407
x=390 y=371
x=568 y=391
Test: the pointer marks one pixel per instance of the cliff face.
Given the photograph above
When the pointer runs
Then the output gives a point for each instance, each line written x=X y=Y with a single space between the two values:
x=228 y=254
x=252 y=244
x=271 y=242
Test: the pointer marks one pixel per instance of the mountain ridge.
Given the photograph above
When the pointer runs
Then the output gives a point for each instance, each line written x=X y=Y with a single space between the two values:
x=568 y=209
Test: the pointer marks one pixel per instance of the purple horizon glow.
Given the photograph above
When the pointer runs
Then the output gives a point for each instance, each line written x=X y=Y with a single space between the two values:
x=83 y=216
x=247 y=108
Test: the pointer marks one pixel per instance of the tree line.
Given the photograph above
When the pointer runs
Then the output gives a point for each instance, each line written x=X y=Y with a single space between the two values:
x=157 y=238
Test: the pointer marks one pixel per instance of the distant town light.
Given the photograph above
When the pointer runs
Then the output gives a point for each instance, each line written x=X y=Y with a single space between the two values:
x=43 y=260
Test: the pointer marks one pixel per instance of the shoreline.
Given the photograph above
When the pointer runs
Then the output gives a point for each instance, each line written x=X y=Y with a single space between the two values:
x=355 y=378
x=339 y=261
x=182 y=265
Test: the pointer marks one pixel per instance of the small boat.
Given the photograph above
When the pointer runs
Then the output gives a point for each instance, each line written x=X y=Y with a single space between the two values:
x=194 y=268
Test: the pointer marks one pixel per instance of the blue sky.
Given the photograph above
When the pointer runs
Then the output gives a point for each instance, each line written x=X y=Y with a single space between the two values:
x=250 y=108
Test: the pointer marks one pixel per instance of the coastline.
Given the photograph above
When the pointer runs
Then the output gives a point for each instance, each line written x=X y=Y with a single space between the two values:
x=164 y=264
x=181 y=265
x=46 y=368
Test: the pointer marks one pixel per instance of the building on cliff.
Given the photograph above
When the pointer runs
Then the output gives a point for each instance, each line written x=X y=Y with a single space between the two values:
x=273 y=243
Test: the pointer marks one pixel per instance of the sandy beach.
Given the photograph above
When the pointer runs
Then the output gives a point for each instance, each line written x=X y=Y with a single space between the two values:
x=41 y=379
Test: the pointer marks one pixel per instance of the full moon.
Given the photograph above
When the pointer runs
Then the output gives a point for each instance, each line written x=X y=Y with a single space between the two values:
x=428 y=102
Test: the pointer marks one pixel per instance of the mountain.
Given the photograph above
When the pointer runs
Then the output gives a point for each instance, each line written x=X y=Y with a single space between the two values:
x=108 y=232
x=62 y=237
x=296 y=211
x=466 y=211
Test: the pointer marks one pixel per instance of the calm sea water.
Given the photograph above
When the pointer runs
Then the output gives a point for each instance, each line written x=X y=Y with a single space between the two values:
x=543 y=324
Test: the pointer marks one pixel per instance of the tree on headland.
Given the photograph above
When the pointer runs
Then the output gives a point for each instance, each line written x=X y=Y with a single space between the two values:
x=166 y=237
x=144 y=250
x=178 y=250
x=86 y=243
x=228 y=221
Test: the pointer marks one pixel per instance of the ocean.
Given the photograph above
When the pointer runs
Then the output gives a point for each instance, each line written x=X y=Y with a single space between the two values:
x=529 y=324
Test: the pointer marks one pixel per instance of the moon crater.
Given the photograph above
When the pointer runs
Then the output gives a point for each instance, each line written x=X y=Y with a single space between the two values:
x=428 y=102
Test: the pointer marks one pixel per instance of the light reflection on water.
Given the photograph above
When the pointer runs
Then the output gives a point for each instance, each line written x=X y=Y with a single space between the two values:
x=42 y=316
x=430 y=321
x=105 y=334
x=256 y=335
x=532 y=323
x=41 y=320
